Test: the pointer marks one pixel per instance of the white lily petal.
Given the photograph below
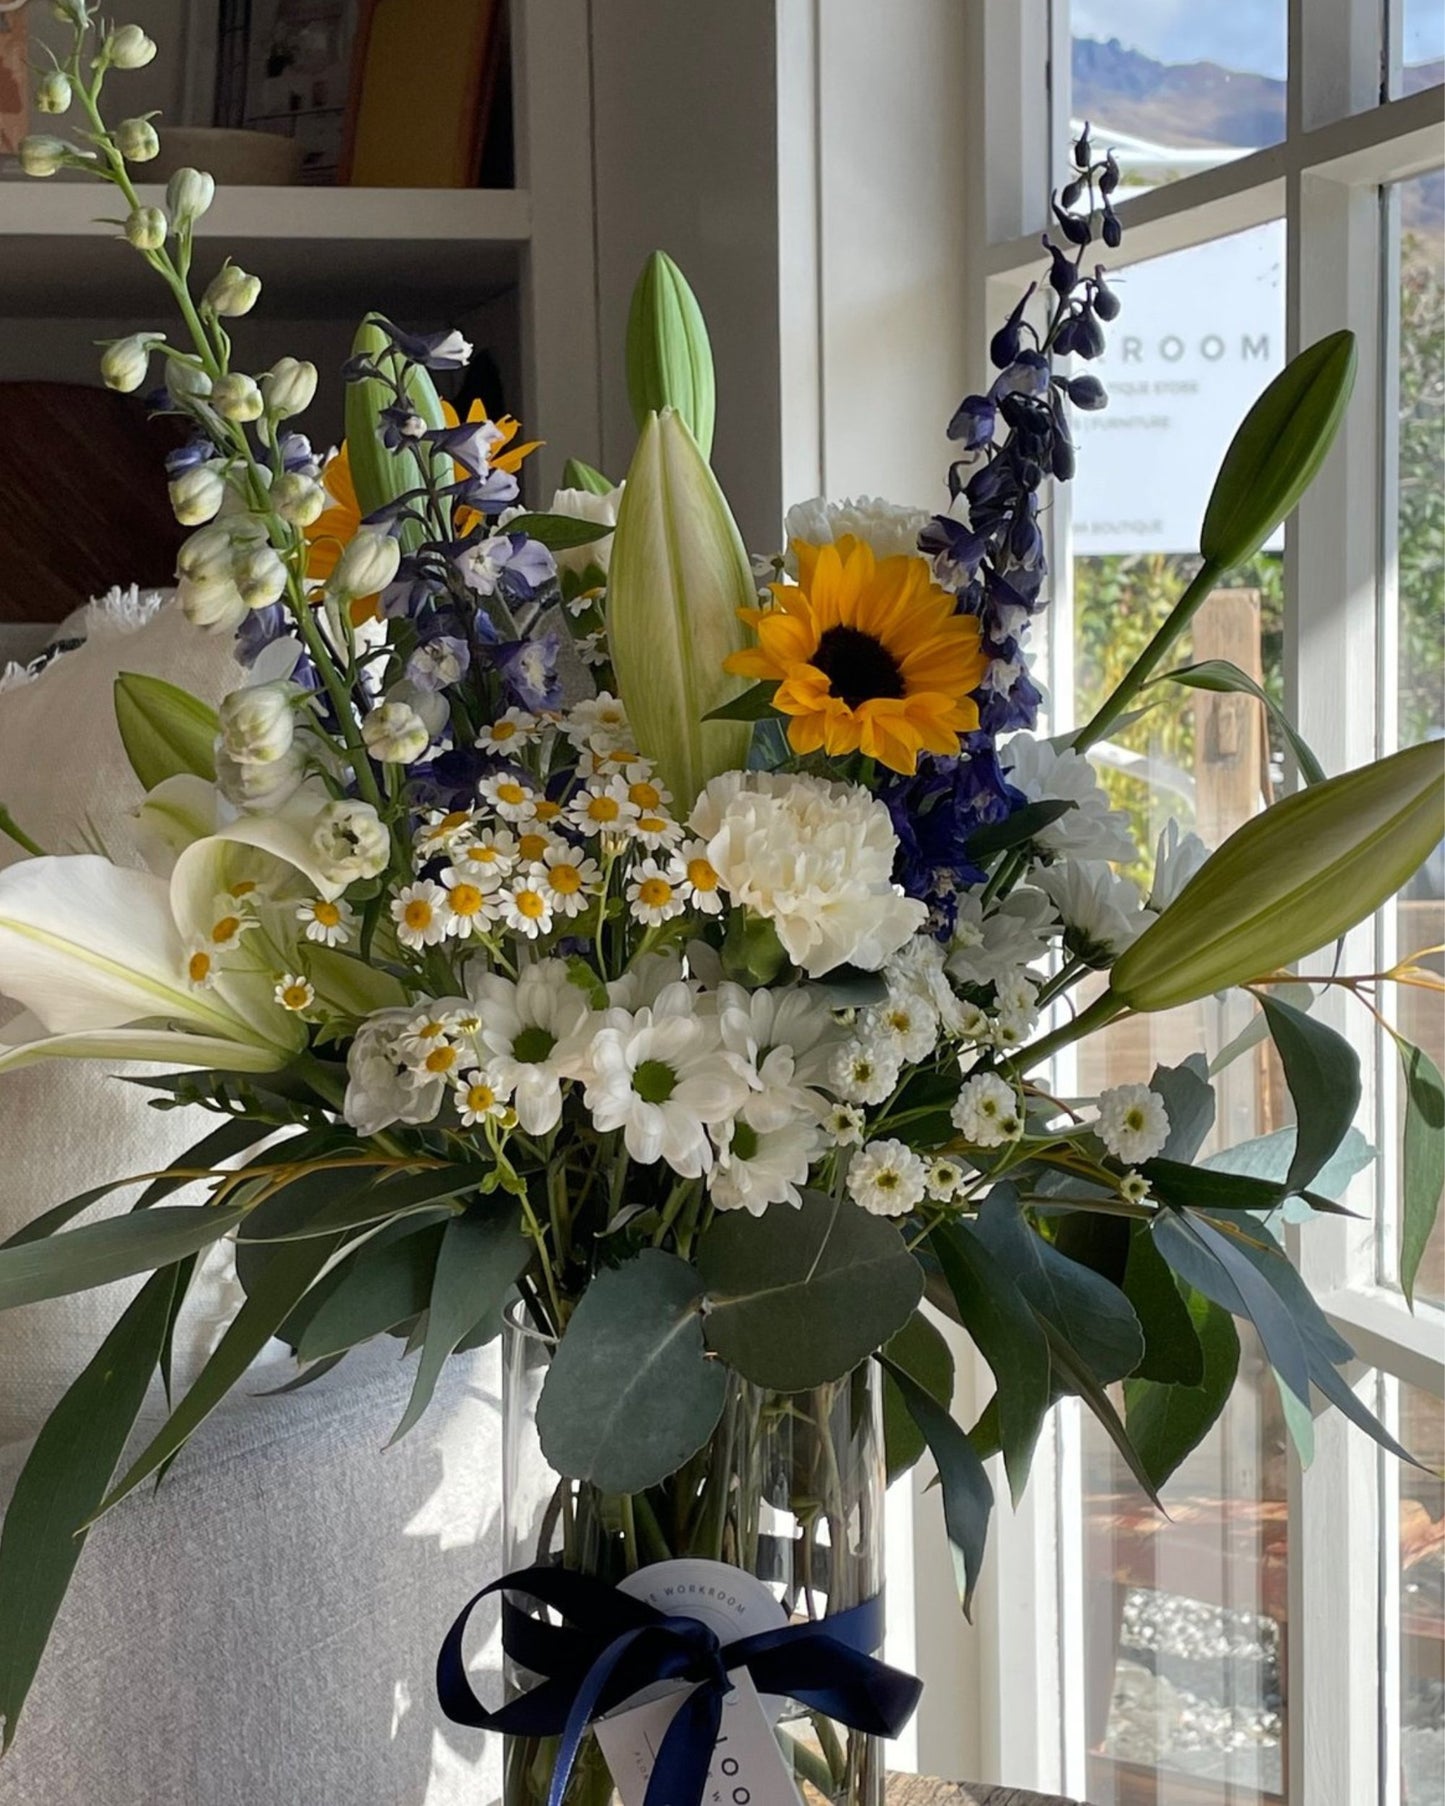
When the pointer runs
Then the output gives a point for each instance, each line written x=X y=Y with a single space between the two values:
x=178 y=811
x=169 y=1047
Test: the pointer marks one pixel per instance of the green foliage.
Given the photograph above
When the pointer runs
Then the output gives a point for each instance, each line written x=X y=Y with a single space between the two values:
x=923 y=1354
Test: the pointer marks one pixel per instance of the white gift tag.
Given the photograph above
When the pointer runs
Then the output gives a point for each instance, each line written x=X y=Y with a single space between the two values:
x=747 y=1767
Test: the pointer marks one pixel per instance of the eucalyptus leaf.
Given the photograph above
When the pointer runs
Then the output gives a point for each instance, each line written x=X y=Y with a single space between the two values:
x=920 y=1350
x=1268 y=1157
x=1188 y=1100
x=1076 y=1375
x=1423 y=1174
x=386 y=1281
x=1167 y=1421
x=1256 y=1029
x=1322 y=1071
x=630 y=1393
x=967 y=1495
x=63 y=1480
x=1219 y=675
x=115 y=1248
x=796 y=1298
x=60 y=1214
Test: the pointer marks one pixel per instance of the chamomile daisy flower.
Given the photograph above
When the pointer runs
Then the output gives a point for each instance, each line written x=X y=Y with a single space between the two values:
x=443 y=833
x=651 y=797
x=600 y=720
x=230 y=920
x=202 y=966
x=656 y=832
x=295 y=993
x=477 y=1098
x=422 y=914
x=545 y=810
x=700 y=883
x=509 y=796
x=422 y=1034
x=533 y=843
x=326 y=922
x=487 y=860
x=887 y=1178
x=654 y=893
x=603 y=807
x=568 y=878
x=516 y=728
x=442 y=1062
x=526 y=906
x=471 y=907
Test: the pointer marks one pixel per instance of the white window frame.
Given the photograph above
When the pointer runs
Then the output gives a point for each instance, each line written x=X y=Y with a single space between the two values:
x=1026 y=1654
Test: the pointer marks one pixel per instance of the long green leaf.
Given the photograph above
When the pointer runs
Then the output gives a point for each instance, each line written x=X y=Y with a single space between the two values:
x=921 y=1351
x=578 y=475
x=1423 y=1175
x=1166 y=1421
x=1173 y=1355
x=60 y=1214
x=561 y=532
x=1077 y=1376
x=62 y=1482
x=1219 y=675
x=967 y=1495
x=231 y=1137
x=116 y=1248
x=1322 y=1072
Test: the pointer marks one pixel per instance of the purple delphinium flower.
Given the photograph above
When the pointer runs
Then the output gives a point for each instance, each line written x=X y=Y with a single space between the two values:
x=439 y=662
x=528 y=670
x=470 y=444
x=507 y=561
x=433 y=350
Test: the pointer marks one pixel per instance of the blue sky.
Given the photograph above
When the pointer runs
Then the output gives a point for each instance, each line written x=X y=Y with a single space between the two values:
x=1240 y=34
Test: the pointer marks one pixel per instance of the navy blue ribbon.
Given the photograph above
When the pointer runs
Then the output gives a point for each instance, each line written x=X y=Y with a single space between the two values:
x=612 y=1646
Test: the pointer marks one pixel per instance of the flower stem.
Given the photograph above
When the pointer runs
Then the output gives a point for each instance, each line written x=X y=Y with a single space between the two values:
x=1134 y=680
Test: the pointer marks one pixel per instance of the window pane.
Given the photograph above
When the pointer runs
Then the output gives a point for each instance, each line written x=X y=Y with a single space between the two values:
x=1185 y=1615
x=1421 y=1656
x=1419 y=602
x=1174 y=89
x=1421 y=62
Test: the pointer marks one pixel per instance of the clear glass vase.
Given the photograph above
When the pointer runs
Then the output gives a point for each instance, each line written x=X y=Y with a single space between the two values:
x=789 y=1488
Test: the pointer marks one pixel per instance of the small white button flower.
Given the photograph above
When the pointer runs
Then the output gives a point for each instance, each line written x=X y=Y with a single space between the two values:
x=422 y=914
x=1133 y=1123
x=470 y=906
x=1134 y=1188
x=526 y=907
x=329 y=924
x=986 y=1111
x=945 y=1179
x=477 y=1098
x=905 y=1024
x=488 y=860
x=604 y=807
x=700 y=884
x=509 y=796
x=844 y=1124
x=295 y=993
x=516 y=728
x=864 y=1074
x=887 y=1178
x=654 y=893
x=568 y=877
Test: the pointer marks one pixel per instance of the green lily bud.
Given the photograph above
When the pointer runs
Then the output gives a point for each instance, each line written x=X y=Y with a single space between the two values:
x=165 y=730
x=1280 y=445
x=1289 y=882
x=679 y=576
x=669 y=357
x=379 y=475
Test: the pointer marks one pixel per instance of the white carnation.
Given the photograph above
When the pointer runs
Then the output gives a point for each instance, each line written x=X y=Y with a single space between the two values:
x=1133 y=1123
x=986 y=1111
x=813 y=858
x=1091 y=829
x=582 y=504
x=380 y=1089
x=889 y=529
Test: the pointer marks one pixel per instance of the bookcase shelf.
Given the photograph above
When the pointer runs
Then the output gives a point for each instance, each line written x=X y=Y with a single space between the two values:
x=320 y=252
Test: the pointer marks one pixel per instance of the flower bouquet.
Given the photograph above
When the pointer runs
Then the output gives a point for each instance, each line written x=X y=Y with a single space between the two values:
x=585 y=935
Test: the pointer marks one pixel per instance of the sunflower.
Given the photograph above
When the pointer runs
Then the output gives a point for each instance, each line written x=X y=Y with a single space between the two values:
x=331 y=530
x=868 y=655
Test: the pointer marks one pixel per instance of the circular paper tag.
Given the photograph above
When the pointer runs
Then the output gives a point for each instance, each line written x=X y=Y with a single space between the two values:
x=729 y=1601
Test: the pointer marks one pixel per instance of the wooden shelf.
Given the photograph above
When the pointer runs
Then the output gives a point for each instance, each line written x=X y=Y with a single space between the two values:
x=319 y=251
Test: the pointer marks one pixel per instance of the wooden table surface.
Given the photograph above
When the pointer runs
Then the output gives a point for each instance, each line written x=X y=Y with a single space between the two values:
x=921 y=1790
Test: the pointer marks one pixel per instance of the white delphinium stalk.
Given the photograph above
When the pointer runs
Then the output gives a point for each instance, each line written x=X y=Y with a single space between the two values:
x=1133 y=1123
x=236 y=396
x=259 y=789
x=124 y=363
x=189 y=194
x=367 y=563
x=991 y=940
x=395 y=734
x=290 y=387
x=128 y=47
x=231 y=292
x=663 y=1076
x=137 y=140
x=1102 y=912
x=349 y=842
x=146 y=228
x=53 y=92
x=1091 y=829
x=813 y=858
x=197 y=494
x=987 y=1112
x=533 y=1037
x=887 y=1178
x=1177 y=858
x=258 y=724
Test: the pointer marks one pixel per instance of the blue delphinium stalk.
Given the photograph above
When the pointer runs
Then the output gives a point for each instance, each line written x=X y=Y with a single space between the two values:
x=989 y=548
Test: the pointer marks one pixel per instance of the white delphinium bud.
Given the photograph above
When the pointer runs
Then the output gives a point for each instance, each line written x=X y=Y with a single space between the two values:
x=137 y=140
x=350 y=842
x=211 y=602
x=297 y=498
x=986 y=1111
x=246 y=785
x=231 y=292
x=146 y=229
x=236 y=396
x=260 y=575
x=129 y=48
x=185 y=382
x=367 y=564
x=290 y=387
x=395 y=734
x=53 y=92
x=197 y=493
x=124 y=362
x=209 y=553
x=42 y=155
x=258 y=725
x=189 y=194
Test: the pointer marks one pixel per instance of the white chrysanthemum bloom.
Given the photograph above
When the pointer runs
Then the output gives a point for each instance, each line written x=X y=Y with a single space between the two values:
x=1134 y=1188
x=1133 y=1123
x=603 y=807
x=863 y=1073
x=443 y=832
x=534 y=1035
x=512 y=799
x=598 y=723
x=568 y=878
x=887 y=1178
x=700 y=883
x=945 y=1179
x=470 y=907
x=789 y=1035
x=644 y=981
x=1091 y=829
x=1102 y=912
x=477 y=1098
x=1176 y=860
x=990 y=941
x=487 y=860
x=349 y=842
x=843 y=1124
x=760 y=1166
x=1017 y=1010
x=601 y=510
x=327 y=923
x=509 y=731
x=654 y=893
x=813 y=858
x=380 y=1090
x=525 y=904
x=664 y=1078
x=986 y=1111
x=889 y=529
x=422 y=914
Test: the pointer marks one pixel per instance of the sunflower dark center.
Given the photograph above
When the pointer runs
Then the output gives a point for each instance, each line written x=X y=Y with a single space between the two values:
x=858 y=667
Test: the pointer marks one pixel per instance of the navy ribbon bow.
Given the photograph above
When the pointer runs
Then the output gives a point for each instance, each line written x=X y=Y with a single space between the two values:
x=613 y=1646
